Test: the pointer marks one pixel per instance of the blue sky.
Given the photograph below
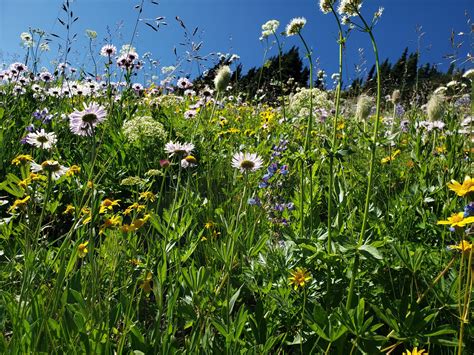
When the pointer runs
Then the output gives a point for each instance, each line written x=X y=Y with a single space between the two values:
x=233 y=26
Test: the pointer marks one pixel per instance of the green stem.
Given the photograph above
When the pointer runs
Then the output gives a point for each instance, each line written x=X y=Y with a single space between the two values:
x=373 y=147
x=334 y=136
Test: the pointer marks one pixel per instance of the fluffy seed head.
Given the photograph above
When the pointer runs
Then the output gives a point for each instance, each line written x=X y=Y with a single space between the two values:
x=364 y=106
x=222 y=78
x=435 y=107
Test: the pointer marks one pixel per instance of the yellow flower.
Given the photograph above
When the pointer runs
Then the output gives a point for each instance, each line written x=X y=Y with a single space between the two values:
x=299 y=277
x=249 y=132
x=146 y=284
x=22 y=159
x=137 y=223
x=133 y=206
x=415 y=351
x=464 y=247
x=86 y=212
x=24 y=183
x=391 y=157
x=147 y=196
x=458 y=220
x=208 y=225
x=73 y=170
x=19 y=203
x=108 y=205
x=462 y=189
x=69 y=209
x=340 y=126
x=82 y=249
x=90 y=184
x=111 y=222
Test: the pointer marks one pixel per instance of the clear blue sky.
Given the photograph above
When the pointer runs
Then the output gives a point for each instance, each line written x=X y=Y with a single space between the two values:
x=234 y=26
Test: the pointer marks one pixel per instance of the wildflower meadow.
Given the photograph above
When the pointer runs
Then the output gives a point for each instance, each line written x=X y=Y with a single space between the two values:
x=148 y=210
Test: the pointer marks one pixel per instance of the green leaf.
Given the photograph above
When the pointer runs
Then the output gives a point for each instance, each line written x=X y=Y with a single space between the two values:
x=370 y=251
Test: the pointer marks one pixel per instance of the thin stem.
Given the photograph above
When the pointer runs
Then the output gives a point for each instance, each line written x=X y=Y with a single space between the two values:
x=373 y=147
x=334 y=135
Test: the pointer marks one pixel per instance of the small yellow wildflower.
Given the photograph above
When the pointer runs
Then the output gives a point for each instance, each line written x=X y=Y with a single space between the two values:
x=137 y=223
x=457 y=220
x=391 y=157
x=462 y=189
x=90 y=184
x=147 y=196
x=24 y=183
x=69 y=209
x=73 y=170
x=299 y=277
x=111 y=222
x=22 y=159
x=19 y=203
x=464 y=247
x=82 y=249
x=146 y=284
x=108 y=205
x=208 y=225
x=415 y=351
x=133 y=206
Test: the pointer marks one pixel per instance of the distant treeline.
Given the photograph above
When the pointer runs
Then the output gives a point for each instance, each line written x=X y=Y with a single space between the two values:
x=268 y=82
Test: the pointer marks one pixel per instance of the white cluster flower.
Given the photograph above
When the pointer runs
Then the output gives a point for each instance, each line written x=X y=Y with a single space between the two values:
x=295 y=26
x=349 y=7
x=144 y=130
x=326 y=6
x=269 y=27
x=469 y=74
x=300 y=102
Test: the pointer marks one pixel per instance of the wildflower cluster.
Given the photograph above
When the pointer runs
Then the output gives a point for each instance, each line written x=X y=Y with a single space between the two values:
x=273 y=194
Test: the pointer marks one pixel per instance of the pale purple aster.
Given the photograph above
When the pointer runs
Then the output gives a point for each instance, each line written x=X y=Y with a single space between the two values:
x=46 y=76
x=83 y=122
x=184 y=83
x=108 y=50
x=190 y=114
x=173 y=148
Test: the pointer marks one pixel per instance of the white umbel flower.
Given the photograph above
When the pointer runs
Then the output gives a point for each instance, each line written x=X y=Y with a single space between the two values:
x=469 y=74
x=326 y=6
x=349 y=7
x=295 y=26
x=270 y=27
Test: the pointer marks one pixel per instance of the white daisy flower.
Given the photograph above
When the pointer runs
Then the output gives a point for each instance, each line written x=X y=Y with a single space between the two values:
x=246 y=162
x=173 y=148
x=49 y=167
x=42 y=139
